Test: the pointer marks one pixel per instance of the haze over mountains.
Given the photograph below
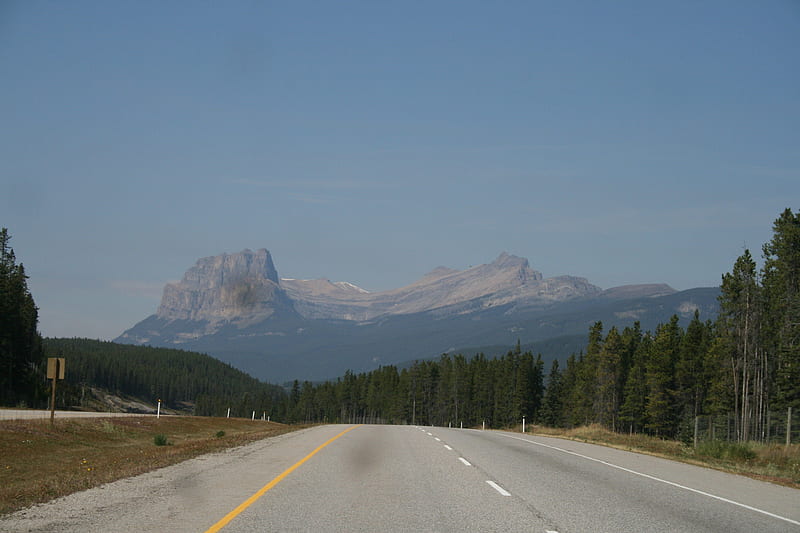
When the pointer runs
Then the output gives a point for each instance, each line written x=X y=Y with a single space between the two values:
x=237 y=308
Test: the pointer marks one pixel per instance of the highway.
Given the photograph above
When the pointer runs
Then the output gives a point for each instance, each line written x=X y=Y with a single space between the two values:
x=405 y=478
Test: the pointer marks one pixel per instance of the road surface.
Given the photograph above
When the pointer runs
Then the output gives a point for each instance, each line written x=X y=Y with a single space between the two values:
x=405 y=478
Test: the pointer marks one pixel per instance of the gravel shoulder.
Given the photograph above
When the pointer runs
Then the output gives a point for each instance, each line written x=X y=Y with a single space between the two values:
x=189 y=496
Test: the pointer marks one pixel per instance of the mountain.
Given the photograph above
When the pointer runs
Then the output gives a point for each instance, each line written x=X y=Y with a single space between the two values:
x=508 y=279
x=237 y=308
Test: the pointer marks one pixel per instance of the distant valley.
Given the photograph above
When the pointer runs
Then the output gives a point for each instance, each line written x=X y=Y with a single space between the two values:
x=237 y=308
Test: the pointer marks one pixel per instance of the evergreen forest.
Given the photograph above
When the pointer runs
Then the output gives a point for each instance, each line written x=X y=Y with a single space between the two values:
x=180 y=379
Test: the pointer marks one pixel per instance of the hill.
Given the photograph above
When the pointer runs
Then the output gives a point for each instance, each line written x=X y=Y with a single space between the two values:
x=182 y=380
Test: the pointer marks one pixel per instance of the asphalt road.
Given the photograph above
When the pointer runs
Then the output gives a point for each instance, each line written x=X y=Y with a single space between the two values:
x=403 y=478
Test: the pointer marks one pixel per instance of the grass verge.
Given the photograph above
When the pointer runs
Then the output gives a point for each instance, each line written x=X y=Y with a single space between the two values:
x=40 y=462
x=775 y=463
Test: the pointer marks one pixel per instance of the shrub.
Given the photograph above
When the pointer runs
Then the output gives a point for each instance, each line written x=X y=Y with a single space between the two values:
x=160 y=440
x=220 y=434
x=726 y=451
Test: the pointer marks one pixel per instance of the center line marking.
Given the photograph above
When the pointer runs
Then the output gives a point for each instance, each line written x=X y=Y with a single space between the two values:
x=464 y=461
x=437 y=438
x=252 y=499
x=448 y=447
x=498 y=488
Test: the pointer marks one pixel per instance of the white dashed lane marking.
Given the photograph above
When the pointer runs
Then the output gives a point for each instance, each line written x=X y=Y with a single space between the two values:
x=498 y=488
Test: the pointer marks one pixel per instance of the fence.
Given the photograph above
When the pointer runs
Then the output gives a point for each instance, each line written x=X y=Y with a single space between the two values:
x=779 y=427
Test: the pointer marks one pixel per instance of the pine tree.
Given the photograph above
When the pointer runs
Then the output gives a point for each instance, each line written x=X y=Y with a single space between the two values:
x=609 y=358
x=660 y=378
x=573 y=396
x=781 y=278
x=740 y=319
x=21 y=355
x=552 y=403
x=584 y=393
x=631 y=338
x=689 y=371
x=633 y=409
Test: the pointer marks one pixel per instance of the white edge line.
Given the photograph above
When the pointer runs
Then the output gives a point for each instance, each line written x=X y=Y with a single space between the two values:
x=498 y=488
x=467 y=463
x=648 y=476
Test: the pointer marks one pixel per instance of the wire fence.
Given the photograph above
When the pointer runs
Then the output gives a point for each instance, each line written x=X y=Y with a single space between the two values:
x=779 y=427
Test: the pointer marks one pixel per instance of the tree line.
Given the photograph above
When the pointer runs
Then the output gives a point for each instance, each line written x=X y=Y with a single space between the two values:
x=450 y=390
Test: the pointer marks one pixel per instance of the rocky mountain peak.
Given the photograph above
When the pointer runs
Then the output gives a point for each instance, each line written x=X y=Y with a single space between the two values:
x=505 y=260
x=243 y=286
x=518 y=267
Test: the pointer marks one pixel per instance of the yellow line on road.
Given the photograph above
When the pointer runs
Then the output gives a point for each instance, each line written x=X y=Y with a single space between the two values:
x=252 y=499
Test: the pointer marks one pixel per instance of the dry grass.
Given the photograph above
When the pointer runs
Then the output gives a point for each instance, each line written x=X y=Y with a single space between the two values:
x=40 y=462
x=769 y=462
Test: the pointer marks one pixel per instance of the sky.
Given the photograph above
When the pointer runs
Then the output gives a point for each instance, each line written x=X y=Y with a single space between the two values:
x=371 y=142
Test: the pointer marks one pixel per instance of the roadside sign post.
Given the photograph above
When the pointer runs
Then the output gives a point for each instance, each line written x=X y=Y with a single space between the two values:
x=55 y=371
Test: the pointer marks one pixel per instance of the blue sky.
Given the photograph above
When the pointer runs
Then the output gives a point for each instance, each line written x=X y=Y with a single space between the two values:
x=625 y=142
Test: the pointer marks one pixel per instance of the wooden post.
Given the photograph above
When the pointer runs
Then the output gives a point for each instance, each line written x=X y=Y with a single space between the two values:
x=53 y=397
x=696 y=424
x=789 y=427
x=55 y=371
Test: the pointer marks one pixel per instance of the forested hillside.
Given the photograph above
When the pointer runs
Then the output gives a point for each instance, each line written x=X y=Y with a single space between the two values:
x=174 y=376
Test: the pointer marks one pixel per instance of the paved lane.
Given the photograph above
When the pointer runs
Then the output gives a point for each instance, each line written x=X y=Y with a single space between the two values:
x=386 y=478
x=382 y=478
x=583 y=487
x=402 y=478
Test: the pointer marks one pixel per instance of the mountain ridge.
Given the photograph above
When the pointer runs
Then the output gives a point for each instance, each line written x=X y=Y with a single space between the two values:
x=232 y=307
